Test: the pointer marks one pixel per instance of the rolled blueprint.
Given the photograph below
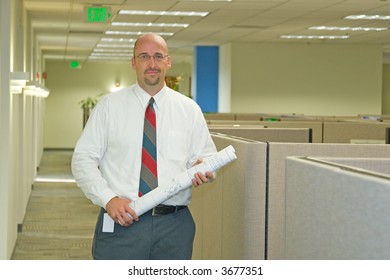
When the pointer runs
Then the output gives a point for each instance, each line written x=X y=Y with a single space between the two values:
x=182 y=181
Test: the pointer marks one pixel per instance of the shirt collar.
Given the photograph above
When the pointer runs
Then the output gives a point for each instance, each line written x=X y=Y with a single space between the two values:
x=145 y=97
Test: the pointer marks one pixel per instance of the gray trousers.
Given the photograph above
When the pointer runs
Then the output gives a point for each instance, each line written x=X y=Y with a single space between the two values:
x=164 y=237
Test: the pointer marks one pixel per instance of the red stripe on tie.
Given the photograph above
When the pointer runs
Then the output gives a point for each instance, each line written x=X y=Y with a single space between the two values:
x=149 y=162
x=150 y=115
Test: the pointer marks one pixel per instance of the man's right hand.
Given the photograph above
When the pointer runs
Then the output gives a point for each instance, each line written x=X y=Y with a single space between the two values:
x=118 y=208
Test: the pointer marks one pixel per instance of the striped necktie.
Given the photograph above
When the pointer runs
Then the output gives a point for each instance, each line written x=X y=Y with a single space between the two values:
x=148 y=179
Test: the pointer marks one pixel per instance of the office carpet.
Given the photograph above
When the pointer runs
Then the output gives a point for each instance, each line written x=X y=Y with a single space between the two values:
x=59 y=220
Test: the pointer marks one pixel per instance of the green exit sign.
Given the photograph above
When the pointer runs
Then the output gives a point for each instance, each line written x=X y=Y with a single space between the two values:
x=74 y=64
x=98 y=14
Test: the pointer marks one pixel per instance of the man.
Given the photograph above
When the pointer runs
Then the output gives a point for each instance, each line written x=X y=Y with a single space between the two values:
x=108 y=161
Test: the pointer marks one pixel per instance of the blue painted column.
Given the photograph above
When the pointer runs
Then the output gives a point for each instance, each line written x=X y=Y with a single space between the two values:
x=205 y=80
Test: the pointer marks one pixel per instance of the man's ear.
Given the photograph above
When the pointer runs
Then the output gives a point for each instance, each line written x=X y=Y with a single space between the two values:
x=133 y=62
x=169 y=62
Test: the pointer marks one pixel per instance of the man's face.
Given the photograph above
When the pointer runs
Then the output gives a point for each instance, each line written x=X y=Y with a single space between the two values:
x=151 y=62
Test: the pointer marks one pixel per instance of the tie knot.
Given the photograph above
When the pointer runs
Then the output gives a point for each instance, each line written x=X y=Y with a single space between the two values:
x=150 y=104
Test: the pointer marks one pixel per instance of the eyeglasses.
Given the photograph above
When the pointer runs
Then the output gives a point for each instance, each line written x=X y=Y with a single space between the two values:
x=146 y=57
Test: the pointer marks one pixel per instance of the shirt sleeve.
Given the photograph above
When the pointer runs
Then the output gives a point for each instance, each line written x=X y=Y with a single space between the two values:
x=88 y=153
x=202 y=144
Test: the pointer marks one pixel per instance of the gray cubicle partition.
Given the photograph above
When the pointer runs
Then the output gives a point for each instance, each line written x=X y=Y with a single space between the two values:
x=249 y=116
x=355 y=132
x=278 y=152
x=296 y=135
x=337 y=211
x=323 y=131
x=220 y=116
x=315 y=126
x=230 y=212
x=235 y=123
x=378 y=165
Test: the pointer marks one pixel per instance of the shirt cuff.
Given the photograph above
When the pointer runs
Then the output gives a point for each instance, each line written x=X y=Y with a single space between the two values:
x=106 y=197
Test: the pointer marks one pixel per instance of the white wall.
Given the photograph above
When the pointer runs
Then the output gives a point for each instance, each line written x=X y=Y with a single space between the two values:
x=386 y=90
x=312 y=79
x=20 y=126
x=225 y=77
x=64 y=116
x=7 y=236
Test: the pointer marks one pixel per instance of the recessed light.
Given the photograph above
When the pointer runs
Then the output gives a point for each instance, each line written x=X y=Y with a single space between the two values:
x=110 y=58
x=150 y=24
x=103 y=50
x=114 y=46
x=368 y=17
x=137 y=33
x=348 y=28
x=163 y=13
x=112 y=54
x=313 y=37
x=117 y=40
x=209 y=0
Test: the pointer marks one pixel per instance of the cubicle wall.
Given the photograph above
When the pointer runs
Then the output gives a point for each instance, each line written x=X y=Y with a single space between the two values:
x=359 y=132
x=249 y=116
x=238 y=232
x=235 y=122
x=230 y=212
x=337 y=129
x=277 y=154
x=337 y=211
x=296 y=135
x=220 y=116
x=354 y=132
x=315 y=127
x=375 y=165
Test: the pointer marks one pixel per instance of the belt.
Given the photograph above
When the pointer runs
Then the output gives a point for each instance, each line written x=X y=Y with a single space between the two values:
x=166 y=209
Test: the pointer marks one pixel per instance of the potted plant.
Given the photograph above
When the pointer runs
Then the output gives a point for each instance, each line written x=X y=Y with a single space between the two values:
x=87 y=105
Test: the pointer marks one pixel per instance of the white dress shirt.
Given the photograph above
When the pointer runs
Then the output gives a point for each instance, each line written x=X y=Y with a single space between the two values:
x=107 y=157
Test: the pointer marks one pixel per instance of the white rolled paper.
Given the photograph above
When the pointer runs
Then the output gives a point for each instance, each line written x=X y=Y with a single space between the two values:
x=182 y=181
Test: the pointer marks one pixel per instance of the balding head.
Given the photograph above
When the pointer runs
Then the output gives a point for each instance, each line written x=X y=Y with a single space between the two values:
x=151 y=38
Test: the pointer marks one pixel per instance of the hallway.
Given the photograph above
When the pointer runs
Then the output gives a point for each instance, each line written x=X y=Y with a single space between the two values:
x=59 y=220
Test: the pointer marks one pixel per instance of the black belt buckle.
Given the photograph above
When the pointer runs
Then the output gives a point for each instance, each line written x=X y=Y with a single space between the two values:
x=165 y=209
x=156 y=211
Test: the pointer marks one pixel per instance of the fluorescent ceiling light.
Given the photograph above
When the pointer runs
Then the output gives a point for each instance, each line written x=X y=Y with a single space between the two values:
x=313 y=37
x=112 y=50
x=117 y=40
x=137 y=33
x=208 y=0
x=107 y=58
x=163 y=13
x=347 y=28
x=150 y=24
x=369 y=17
x=125 y=46
x=112 y=54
